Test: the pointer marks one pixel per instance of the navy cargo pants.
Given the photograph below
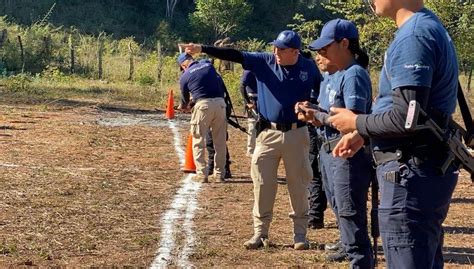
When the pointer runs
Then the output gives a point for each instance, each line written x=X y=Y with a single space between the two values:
x=317 y=197
x=347 y=187
x=414 y=203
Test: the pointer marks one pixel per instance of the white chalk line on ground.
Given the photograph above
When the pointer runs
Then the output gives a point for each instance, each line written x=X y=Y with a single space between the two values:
x=182 y=209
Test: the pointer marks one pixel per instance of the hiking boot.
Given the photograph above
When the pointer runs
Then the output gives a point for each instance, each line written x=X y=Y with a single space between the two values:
x=200 y=178
x=257 y=241
x=218 y=178
x=333 y=247
x=339 y=256
x=316 y=225
x=301 y=243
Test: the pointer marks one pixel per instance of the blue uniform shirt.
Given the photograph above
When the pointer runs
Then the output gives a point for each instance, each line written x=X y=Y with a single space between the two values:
x=201 y=81
x=249 y=81
x=281 y=87
x=422 y=54
x=349 y=88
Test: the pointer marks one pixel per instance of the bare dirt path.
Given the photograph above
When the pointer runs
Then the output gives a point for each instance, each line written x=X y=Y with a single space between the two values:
x=89 y=186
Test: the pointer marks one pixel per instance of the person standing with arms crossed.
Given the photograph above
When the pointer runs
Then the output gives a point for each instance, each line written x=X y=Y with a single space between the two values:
x=420 y=64
x=201 y=81
x=283 y=79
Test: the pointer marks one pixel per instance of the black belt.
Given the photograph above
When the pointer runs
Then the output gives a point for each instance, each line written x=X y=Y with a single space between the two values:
x=330 y=144
x=419 y=155
x=284 y=127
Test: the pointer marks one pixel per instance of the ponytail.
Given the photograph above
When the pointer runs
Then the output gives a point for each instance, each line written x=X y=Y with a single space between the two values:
x=360 y=55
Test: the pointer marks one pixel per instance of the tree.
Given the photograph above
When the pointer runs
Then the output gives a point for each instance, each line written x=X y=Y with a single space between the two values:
x=219 y=18
x=308 y=30
x=457 y=17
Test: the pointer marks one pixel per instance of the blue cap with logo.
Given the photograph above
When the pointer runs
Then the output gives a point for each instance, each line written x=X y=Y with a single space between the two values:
x=334 y=30
x=287 y=39
x=183 y=57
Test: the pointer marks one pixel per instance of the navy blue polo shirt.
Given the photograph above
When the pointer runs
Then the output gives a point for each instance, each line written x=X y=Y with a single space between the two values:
x=201 y=81
x=422 y=54
x=249 y=82
x=281 y=87
x=349 y=88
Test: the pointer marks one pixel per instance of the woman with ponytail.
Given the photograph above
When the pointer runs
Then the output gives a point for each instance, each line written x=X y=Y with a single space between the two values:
x=346 y=181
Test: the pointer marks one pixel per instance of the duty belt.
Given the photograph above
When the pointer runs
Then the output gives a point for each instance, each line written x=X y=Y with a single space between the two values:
x=330 y=144
x=284 y=127
x=418 y=154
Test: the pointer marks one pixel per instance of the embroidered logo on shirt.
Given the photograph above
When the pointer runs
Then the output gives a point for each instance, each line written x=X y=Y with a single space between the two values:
x=303 y=76
x=416 y=66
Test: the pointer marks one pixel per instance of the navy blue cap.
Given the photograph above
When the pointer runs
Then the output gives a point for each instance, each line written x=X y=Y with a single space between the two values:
x=183 y=57
x=333 y=30
x=287 y=39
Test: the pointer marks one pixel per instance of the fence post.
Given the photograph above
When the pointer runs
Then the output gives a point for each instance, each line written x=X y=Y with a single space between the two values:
x=22 y=55
x=71 y=53
x=159 y=70
x=100 y=51
x=131 y=66
x=469 y=79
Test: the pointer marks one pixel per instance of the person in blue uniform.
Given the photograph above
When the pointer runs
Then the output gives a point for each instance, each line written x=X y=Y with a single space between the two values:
x=249 y=92
x=210 y=144
x=201 y=81
x=420 y=64
x=317 y=196
x=349 y=88
x=284 y=78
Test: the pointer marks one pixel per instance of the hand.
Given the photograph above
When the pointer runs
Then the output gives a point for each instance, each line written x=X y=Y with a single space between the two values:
x=191 y=48
x=349 y=145
x=250 y=106
x=343 y=119
x=306 y=113
x=184 y=108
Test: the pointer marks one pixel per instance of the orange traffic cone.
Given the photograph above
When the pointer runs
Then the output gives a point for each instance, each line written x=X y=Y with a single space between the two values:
x=189 y=166
x=170 y=107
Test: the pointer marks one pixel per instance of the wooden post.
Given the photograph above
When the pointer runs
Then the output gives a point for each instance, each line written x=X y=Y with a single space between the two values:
x=131 y=67
x=71 y=53
x=159 y=69
x=22 y=55
x=469 y=79
x=3 y=37
x=100 y=51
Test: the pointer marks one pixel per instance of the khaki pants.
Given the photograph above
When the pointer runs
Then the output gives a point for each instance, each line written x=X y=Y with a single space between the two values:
x=252 y=135
x=293 y=148
x=209 y=113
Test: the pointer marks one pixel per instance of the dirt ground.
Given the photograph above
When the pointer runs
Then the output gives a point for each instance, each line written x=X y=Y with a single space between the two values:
x=88 y=185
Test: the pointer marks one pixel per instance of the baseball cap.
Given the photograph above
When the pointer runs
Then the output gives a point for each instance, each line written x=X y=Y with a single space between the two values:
x=333 y=30
x=287 y=39
x=183 y=57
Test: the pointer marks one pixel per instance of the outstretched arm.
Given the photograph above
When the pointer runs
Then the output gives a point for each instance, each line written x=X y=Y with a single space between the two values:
x=226 y=54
